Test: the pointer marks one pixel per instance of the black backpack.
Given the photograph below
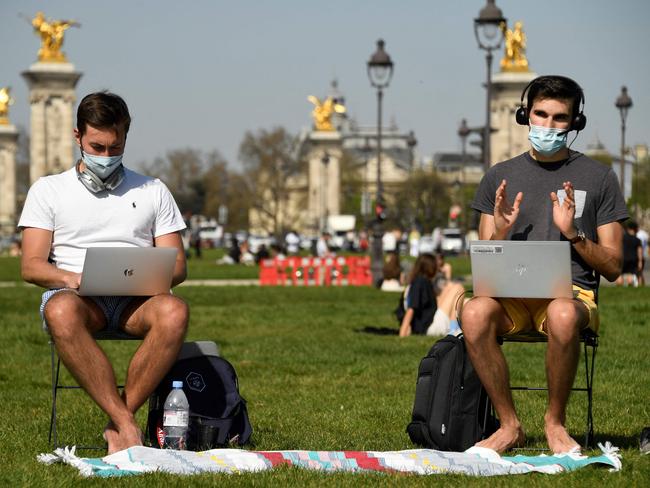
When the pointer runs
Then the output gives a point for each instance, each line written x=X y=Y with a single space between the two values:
x=218 y=414
x=452 y=411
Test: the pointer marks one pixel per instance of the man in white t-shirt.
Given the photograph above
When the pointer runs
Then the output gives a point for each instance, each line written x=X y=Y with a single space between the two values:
x=98 y=202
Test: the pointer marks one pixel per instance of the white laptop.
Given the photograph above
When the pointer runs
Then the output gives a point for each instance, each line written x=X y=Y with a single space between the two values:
x=127 y=271
x=521 y=269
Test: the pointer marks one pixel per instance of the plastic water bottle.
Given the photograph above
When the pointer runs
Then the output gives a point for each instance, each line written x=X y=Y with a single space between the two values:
x=176 y=417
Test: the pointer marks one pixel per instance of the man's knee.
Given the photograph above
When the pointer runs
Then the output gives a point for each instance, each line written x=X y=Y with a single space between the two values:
x=172 y=315
x=564 y=319
x=64 y=313
x=480 y=317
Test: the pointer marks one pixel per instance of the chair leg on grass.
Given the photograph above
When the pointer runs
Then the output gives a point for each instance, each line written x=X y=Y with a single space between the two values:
x=589 y=373
x=52 y=437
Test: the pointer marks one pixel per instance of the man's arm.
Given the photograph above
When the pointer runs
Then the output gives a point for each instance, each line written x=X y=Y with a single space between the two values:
x=606 y=256
x=486 y=227
x=34 y=264
x=174 y=240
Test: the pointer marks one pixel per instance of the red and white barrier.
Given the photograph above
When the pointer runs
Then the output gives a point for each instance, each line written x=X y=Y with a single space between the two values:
x=307 y=271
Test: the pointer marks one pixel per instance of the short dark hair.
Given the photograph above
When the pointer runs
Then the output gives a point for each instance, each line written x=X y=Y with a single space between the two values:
x=632 y=225
x=558 y=88
x=103 y=110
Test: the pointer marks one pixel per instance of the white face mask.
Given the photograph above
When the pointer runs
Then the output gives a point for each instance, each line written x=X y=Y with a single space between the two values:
x=547 y=141
x=102 y=166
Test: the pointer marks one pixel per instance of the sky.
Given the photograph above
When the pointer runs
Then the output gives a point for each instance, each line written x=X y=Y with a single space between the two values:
x=201 y=73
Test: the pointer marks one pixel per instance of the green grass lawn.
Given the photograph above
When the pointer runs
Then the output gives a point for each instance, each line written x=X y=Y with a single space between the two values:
x=205 y=268
x=314 y=380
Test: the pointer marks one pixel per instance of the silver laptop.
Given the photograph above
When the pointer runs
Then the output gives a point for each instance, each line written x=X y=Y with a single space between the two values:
x=127 y=271
x=521 y=269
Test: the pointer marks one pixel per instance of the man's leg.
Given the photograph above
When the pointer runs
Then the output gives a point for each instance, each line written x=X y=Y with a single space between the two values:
x=483 y=319
x=162 y=320
x=72 y=320
x=564 y=320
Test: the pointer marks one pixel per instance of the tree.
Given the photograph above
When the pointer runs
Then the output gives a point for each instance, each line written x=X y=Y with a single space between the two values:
x=351 y=185
x=238 y=202
x=270 y=161
x=640 y=200
x=422 y=199
x=203 y=183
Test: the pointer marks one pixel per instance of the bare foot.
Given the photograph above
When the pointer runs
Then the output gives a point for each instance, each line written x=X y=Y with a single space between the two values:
x=503 y=439
x=559 y=440
x=124 y=438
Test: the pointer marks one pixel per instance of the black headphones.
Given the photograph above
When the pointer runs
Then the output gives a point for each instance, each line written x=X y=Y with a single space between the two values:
x=579 y=120
x=95 y=184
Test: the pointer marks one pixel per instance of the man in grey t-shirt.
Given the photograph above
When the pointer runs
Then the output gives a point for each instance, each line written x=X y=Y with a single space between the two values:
x=558 y=195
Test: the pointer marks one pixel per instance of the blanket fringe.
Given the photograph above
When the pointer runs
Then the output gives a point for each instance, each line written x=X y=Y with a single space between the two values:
x=612 y=453
x=67 y=455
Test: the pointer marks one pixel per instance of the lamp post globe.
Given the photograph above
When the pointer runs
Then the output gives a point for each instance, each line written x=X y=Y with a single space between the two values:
x=487 y=29
x=623 y=104
x=380 y=72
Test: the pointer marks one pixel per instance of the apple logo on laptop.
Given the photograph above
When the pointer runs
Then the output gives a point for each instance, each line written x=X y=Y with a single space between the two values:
x=521 y=269
x=128 y=272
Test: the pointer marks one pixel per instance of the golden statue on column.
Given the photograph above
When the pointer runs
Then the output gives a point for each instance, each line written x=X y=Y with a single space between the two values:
x=514 y=57
x=323 y=112
x=5 y=101
x=51 y=33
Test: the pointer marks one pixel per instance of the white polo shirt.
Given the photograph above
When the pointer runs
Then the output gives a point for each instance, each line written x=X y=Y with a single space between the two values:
x=132 y=215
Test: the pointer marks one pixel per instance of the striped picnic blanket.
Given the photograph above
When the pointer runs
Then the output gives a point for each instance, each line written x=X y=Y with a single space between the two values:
x=476 y=461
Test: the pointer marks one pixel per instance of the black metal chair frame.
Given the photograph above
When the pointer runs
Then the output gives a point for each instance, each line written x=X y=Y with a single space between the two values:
x=589 y=339
x=55 y=362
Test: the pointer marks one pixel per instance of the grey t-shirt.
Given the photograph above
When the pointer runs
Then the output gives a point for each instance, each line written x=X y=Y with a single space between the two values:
x=597 y=195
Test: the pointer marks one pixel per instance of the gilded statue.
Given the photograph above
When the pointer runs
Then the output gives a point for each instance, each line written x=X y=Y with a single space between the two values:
x=5 y=101
x=514 y=57
x=323 y=112
x=51 y=33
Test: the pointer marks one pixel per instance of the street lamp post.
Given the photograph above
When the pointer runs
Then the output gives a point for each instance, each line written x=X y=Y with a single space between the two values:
x=325 y=159
x=463 y=132
x=411 y=142
x=623 y=104
x=380 y=71
x=365 y=197
x=487 y=29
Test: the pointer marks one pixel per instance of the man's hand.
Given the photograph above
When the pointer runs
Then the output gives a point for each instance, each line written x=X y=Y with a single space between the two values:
x=72 y=280
x=564 y=214
x=505 y=214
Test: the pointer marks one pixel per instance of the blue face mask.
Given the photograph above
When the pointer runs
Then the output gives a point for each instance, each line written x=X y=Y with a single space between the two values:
x=102 y=166
x=547 y=141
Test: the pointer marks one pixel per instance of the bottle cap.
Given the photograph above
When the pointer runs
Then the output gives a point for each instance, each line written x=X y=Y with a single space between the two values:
x=177 y=384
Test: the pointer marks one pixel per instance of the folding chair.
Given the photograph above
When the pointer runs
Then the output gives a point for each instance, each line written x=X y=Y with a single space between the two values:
x=55 y=368
x=589 y=339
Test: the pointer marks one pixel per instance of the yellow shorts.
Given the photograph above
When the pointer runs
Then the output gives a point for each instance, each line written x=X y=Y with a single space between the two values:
x=529 y=314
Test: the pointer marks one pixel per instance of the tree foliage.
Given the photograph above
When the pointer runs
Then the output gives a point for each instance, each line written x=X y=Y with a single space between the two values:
x=201 y=183
x=640 y=200
x=270 y=160
x=351 y=185
x=423 y=199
